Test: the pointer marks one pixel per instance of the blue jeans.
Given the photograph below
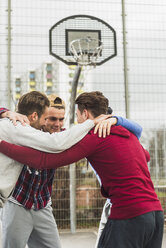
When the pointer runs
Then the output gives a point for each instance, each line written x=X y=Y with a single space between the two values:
x=144 y=231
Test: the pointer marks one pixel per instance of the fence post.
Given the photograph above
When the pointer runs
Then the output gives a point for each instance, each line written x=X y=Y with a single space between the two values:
x=9 y=54
x=125 y=61
x=72 y=166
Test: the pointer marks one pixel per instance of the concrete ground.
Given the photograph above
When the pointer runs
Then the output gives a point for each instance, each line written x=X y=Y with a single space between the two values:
x=85 y=239
x=81 y=239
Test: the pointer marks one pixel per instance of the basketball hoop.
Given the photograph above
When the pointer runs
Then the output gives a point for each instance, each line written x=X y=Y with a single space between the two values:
x=86 y=51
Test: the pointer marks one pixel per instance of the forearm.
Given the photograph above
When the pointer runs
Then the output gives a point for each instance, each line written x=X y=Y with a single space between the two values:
x=28 y=156
x=56 y=142
x=130 y=125
x=42 y=160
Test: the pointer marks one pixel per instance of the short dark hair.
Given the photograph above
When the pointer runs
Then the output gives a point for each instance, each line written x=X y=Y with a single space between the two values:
x=33 y=101
x=109 y=111
x=93 y=101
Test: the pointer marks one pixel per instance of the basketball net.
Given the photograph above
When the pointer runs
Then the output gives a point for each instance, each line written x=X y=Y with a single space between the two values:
x=85 y=52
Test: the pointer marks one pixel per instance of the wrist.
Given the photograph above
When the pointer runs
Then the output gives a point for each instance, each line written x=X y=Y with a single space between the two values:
x=4 y=114
x=113 y=120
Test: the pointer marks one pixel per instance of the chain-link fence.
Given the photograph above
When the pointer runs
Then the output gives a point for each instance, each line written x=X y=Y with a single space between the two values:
x=89 y=202
x=134 y=81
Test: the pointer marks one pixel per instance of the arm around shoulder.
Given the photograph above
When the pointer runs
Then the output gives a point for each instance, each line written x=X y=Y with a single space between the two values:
x=56 y=142
x=130 y=125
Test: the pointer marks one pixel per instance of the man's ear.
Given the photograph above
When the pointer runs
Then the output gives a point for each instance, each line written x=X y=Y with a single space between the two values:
x=33 y=117
x=85 y=114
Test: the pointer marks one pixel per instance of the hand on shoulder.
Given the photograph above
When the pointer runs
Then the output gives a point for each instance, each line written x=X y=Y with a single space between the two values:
x=103 y=125
x=14 y=117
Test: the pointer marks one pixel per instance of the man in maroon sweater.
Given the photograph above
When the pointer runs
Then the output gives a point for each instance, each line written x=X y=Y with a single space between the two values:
x=136 y=219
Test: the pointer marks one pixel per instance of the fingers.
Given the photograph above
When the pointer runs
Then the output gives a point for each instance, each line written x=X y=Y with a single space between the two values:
x=24 y=120
x=103 y=128
x=96 y=128
x=108 y=128
x=14 y=117
x=14 y=121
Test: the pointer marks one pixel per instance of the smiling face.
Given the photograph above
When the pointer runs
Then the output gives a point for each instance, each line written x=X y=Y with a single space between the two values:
x=54 y=120
x=36 y=122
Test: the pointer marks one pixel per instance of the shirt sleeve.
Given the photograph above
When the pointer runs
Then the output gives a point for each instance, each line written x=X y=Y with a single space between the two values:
x=42 y=160
x=31 y=137
x=3 y=110
x=132 y=126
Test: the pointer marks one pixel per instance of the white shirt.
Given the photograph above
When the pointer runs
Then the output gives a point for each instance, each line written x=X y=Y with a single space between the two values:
x=28 y=136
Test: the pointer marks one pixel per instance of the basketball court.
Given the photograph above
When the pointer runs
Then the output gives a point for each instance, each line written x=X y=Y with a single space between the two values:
x=87 y=238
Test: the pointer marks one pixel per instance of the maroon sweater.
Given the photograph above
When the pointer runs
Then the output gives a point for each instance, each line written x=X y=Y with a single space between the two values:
x=119 y=160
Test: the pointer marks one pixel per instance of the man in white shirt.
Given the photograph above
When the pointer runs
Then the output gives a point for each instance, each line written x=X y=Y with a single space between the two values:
x=35 y=106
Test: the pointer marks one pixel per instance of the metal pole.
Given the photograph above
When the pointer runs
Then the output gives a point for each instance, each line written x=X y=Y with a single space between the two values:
x=125 y=61
x=156 y=159
x=164 y=152
x=72 y=166
x=9 y=54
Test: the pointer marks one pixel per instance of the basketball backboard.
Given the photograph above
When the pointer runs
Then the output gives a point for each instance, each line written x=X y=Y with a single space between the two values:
x=86 y=35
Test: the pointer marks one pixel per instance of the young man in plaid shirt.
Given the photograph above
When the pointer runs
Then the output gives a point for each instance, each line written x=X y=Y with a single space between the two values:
x=33 y=192
x=28 y=210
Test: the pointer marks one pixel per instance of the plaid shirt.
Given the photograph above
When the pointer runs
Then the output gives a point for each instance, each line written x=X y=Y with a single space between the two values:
x=34 y=187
